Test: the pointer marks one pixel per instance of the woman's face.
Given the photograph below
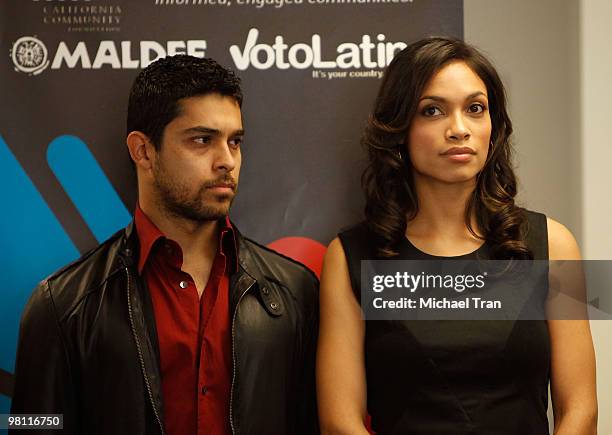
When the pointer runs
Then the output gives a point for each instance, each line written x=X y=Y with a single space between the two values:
x=448 y=140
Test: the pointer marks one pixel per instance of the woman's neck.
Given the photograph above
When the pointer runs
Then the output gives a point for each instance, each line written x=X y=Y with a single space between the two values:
x=440 y=223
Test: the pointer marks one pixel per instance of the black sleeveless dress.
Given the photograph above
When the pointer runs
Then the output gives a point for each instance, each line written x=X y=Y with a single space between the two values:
x=454 y=377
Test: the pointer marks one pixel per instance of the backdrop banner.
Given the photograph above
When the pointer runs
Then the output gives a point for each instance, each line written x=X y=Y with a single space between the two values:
x=310 y=71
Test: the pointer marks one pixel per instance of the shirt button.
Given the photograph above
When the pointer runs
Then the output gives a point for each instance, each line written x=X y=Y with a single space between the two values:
x=183 y=284
x=204 y=390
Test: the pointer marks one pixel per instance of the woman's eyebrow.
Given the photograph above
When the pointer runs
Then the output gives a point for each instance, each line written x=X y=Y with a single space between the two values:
x=442 y=99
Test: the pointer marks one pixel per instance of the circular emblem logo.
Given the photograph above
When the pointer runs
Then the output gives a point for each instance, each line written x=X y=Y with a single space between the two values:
x=29 y=55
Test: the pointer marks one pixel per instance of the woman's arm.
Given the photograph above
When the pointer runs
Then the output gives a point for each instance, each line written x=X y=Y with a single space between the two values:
x=573 y=384
x=341 y=384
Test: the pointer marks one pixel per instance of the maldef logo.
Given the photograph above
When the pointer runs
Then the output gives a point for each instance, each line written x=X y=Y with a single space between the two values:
x=30 y=55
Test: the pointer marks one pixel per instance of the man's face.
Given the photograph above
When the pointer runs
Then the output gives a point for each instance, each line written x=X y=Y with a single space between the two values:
x=195 y=172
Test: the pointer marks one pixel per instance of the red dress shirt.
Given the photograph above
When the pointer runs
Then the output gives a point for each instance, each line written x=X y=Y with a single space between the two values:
x=194 y=333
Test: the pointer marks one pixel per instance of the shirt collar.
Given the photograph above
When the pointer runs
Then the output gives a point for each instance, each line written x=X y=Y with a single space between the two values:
x=228 y=244
x=149 y=234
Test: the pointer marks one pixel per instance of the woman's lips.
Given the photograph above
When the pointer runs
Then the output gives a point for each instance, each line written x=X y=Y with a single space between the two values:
x=459 y=154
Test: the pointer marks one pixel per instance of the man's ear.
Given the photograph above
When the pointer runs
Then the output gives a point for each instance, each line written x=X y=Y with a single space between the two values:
x=141 y=149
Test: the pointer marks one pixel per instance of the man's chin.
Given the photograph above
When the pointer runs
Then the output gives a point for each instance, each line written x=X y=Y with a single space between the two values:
x=208 y=215
x=201 y=212
x=214 y=212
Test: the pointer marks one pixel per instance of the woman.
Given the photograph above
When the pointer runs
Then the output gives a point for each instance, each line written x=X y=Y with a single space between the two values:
x=440 y=185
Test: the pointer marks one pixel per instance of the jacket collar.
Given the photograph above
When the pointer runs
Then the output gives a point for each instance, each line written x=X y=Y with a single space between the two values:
x=250 y=265
x=249 y=275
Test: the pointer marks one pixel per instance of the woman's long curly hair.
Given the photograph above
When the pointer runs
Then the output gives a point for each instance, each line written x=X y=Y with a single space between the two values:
x=388 y=183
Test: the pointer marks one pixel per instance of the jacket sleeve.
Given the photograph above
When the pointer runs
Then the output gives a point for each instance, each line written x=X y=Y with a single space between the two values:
x=43 y=379
x=308 y=423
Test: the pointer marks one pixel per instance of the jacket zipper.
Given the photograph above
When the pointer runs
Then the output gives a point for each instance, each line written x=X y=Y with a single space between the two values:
x=234 y=359
x=142 y=364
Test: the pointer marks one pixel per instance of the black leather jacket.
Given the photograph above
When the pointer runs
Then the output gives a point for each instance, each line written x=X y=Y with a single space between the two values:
x=88 y=345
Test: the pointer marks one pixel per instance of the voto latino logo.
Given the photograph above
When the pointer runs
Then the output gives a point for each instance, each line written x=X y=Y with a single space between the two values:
x=366 y=53
x=30 y=55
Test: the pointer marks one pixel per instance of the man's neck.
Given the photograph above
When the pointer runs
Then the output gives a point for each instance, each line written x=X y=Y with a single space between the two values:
x=198 y=240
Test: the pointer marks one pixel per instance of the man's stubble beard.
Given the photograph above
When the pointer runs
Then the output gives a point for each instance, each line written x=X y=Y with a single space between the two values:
x=174 y=199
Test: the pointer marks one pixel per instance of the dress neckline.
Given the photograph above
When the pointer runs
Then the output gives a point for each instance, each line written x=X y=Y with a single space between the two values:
x=412 y=249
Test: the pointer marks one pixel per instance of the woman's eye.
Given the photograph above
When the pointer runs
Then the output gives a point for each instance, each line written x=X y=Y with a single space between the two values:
x=431 y=111
x=476 y=108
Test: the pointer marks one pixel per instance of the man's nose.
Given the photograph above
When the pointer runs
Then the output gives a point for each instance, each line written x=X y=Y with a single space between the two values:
x=225 y=160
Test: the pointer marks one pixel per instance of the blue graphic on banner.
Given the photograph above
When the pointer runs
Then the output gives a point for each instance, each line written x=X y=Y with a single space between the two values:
x=34 y=243
x=87 y=186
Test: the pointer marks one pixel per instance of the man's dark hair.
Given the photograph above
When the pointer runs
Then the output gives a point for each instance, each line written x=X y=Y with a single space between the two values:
x=155 y=93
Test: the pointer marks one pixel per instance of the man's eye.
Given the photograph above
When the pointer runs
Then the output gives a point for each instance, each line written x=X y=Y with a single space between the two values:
x=476 y=108
x=236 y=142
x=431 y=111
x=202 y=139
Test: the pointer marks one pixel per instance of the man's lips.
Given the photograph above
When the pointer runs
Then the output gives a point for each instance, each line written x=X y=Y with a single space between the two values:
x=222 y=187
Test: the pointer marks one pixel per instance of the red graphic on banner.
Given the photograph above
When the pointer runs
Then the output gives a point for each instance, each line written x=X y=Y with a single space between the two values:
x=305 y=250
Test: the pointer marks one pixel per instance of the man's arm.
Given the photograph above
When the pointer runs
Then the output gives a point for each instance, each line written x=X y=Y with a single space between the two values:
x=43 y=381
x=308 y=423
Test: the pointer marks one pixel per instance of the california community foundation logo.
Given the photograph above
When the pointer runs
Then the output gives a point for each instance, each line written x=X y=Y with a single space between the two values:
x=30 y=55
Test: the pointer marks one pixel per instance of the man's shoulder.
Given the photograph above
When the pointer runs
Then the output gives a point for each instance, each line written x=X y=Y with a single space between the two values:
x=68 y=285
x=284 y=270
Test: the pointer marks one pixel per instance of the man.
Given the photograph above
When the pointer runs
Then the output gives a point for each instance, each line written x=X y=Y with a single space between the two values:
x=177 y=324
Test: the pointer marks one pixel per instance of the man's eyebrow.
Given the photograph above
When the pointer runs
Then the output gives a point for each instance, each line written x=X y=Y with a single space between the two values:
x=200 y=129
x=442 y=100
